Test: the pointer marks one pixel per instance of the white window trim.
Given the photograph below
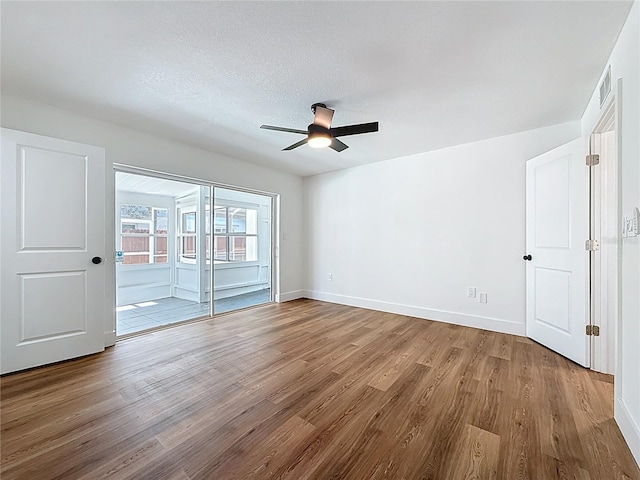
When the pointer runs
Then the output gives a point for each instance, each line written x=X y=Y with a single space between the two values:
x=180 y=211
x=152 y=239
x=228 y=235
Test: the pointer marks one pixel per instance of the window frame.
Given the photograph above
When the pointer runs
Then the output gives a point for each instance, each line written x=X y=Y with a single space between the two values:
x=228 y=235
x=152 y=236
x=181 y=235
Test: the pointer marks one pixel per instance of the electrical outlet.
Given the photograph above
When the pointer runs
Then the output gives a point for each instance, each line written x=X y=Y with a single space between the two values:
x=471 y=292
x=483 y=297
x=331 y=277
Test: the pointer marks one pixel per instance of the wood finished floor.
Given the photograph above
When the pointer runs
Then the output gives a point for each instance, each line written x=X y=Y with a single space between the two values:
x=311 y=390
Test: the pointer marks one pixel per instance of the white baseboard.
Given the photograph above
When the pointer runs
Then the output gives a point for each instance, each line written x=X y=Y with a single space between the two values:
x=288 y=296
x=109 y=339
x=629 y=428
x=476 y=321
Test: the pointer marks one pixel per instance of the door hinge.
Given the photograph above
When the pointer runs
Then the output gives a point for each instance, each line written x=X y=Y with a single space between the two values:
x=593 y=330
x=592 y=160
x=591 y=245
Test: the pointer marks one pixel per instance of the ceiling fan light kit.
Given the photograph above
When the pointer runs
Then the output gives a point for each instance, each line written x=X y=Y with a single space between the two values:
x=319 y=141
x=320 y=134
x=318 y=137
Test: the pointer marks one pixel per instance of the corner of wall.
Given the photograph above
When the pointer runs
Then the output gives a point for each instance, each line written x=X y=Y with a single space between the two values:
x=288 y=296
x=629 y=428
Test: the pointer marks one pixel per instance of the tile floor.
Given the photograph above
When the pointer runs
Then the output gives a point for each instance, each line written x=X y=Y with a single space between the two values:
x=165 y=311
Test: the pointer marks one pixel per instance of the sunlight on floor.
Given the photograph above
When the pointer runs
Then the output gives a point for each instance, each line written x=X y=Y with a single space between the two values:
x=124 y=308
x=146 y=304
x=166 y=311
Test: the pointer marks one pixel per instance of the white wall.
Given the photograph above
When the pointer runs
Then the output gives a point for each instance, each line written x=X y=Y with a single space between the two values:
x=625 y=65
x=143 y=150
x=410 y=235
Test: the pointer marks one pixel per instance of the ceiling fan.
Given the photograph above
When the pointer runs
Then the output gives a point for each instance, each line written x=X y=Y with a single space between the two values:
x=321 y=134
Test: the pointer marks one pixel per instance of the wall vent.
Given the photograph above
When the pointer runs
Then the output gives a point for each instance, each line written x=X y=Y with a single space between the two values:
x=605 y=86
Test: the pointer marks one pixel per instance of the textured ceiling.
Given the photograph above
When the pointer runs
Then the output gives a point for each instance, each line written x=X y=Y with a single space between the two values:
x=434 y=74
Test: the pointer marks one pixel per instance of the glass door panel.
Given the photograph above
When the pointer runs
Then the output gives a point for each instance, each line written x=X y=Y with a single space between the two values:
x=242 y=249
x=162 y=279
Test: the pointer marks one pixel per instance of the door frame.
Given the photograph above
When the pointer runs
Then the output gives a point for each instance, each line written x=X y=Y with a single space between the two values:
x=605 y=220
x=275 y=222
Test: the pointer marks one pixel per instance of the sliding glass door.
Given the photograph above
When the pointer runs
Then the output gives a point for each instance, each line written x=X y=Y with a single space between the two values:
x=177 y=239
x=242 y=249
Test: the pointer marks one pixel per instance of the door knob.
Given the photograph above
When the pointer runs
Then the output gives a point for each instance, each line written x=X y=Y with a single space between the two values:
x=96 y=260
x=527 y=257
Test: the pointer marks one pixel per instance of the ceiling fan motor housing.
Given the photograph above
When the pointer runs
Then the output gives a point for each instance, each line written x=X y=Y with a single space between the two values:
x=314 y=129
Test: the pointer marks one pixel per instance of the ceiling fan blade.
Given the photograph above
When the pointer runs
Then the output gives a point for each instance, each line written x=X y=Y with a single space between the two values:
x=354 y=129
x=323 y=116
x=284 y=129
x=296 y=145
x=337 y=145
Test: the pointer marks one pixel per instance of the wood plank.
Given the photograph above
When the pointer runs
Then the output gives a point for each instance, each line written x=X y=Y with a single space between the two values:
x=313 y=390
x=477 y=453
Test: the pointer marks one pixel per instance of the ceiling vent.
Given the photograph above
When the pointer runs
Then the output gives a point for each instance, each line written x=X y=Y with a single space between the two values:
x=605 y=86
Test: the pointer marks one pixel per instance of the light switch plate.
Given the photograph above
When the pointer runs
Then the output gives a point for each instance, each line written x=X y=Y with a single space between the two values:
x=630 y=224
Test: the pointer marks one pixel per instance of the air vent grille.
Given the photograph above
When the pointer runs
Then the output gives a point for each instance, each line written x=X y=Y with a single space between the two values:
x=605 y=86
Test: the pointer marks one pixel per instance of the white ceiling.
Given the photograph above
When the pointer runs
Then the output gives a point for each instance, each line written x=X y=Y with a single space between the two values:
x=129 y=182
x=434 y=74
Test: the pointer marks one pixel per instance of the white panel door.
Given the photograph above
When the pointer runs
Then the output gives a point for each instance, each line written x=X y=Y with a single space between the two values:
x=557 y=227
x=53 y=225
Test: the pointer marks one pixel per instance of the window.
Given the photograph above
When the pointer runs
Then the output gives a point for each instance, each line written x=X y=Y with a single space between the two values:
x=144 y=234
x=235 y=232
x=187 y=232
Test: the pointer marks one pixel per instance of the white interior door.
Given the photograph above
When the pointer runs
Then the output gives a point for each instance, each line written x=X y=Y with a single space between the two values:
x=557 y=227
x=53 y=225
